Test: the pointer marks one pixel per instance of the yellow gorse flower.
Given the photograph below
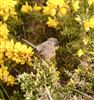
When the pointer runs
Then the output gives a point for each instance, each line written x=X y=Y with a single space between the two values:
x=63 y=10
x=37 y=8
x=50 y=10
x=78 y=70
x=52 y=22
x=9 y=47
x=85 y=40
x=21 y=53
x=4 y=31
x=71 y=82
x=92 y=53
x=26 y=8
x=1 y=78
x=76 y=5
x=16 y=52
x=89 y=24
x=86 y=25
x=54 y=7
x=5 y=76
x=80 y=52
x=90 y=2
x=59 y=3
x=7 y=8
x=10 y=80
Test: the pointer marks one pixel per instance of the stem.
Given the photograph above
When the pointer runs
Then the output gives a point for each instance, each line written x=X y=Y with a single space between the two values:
x=4 y=90
x=88 y=96
x=49 y=95
x=2 y=96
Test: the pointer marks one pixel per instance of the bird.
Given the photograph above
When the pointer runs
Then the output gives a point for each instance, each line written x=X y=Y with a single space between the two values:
x=46 y=49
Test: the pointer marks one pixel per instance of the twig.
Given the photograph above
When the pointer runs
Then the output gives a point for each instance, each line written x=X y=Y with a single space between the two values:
x=88 y=96
x=24 y=32
x=17 y=71
x=45 y=63
x=15 y=68
x=49 y=95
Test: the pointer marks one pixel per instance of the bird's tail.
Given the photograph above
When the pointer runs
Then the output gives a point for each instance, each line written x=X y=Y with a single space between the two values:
x=32 y=45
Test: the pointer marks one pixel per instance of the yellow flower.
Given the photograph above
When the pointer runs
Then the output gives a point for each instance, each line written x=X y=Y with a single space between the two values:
x=4 y=31
x=21 y=53
x=5 y=75
x=13 y=13
x=6 y=6
x=76 y=5
x=90 y=2
x=92 y=53
x=5 y=17
x=23 y=48
x=85 y=40
x=37 y=8
x=51 y=10
x=17 y=1
x=2 y=13
x=1 y=74
x=52 y=22
x=11 y=80
x=80 y=53
x=78 y=70
x=2 y=47
x=59 y=3
x=46 y=10
x=62 y=11
x=9 y=46
x=29 y=51
x=1 y=58
x=91 y=22
x=71 y=82
x=52 y=7
x=17 y=47
x=86 y=25
x=26 y=8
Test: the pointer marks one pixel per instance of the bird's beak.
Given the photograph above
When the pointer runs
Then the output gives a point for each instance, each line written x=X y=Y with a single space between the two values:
x=57 y=47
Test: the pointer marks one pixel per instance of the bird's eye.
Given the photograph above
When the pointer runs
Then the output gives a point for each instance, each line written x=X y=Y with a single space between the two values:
x=56 y=44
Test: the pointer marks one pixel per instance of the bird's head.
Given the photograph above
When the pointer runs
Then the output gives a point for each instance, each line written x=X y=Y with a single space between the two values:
x=54 y=42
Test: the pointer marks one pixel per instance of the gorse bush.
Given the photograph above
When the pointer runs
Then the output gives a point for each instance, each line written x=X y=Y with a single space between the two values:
x=70 y=74
x=39 y=84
